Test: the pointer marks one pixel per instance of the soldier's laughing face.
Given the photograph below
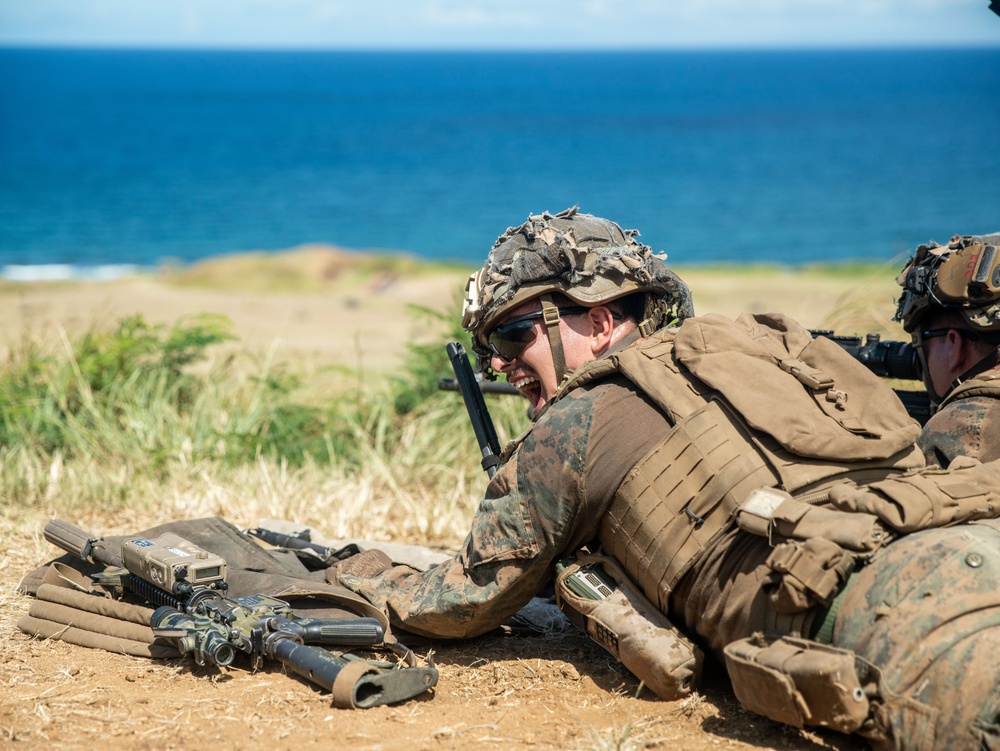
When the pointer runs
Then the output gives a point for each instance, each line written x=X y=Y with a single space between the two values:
x=585 y=333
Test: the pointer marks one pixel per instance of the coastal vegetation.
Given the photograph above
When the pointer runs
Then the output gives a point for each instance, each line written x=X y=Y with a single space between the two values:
x=148 y=420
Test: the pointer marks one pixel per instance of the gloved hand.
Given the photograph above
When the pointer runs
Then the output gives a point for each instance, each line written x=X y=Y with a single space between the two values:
x=366 y=565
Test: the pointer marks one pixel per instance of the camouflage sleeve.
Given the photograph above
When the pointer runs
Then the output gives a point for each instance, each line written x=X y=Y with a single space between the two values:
x=545 y=501
x=965 y=427
x=509 y=552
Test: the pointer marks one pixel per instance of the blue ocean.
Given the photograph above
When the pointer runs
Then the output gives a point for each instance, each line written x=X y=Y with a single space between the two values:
x=142 y=157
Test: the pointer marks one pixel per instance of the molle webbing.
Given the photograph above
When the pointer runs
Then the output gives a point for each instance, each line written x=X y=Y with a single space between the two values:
x=679 y=497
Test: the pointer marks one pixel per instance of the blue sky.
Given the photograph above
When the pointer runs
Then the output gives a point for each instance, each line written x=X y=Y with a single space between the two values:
x=497 y=24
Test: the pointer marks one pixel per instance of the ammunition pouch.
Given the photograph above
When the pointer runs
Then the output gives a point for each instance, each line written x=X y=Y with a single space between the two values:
x=807 y=573
x=638 y=635
x=800 y=682
x=820 y=549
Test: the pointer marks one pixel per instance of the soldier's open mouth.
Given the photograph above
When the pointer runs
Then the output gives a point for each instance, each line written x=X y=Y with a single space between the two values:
x=530 y=387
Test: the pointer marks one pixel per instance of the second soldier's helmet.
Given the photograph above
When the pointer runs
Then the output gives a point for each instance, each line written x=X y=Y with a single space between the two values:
x=587 y=259
x=963 y=275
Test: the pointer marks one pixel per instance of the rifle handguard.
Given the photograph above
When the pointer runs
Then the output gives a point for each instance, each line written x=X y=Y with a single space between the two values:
x=347 y=632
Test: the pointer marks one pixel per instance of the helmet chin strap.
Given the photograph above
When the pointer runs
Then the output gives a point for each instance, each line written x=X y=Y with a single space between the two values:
x=925 y=373
x=550 y=316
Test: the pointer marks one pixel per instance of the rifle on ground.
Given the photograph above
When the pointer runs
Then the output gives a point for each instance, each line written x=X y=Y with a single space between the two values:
x=888 y=360
x=188 y=585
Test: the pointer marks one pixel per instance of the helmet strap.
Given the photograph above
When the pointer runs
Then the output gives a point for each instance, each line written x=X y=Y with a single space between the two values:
x=550 y=316
x=925 y=373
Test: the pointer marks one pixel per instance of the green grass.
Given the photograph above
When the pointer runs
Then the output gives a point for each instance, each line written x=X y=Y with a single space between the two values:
x=147 y=420
x=135 y=421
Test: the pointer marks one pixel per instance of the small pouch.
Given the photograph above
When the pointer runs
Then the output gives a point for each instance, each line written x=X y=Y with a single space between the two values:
x=808 y=573
x=628 y=626
x=770 y=513
x=799 y=682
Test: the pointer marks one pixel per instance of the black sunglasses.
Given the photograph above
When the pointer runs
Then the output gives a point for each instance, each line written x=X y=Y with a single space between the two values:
x=510 y=339
x=932 y=333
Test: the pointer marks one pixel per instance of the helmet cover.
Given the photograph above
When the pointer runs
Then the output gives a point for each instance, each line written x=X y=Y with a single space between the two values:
x=963 y=275
x=590 y=260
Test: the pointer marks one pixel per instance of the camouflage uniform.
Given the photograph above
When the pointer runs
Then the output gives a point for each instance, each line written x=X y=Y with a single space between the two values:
x=926 y=611
x=559 y=483
x=963 y=278
x=966 y=424
x=551 y=494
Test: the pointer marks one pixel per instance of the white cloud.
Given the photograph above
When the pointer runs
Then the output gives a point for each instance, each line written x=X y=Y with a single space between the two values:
x=504 y=23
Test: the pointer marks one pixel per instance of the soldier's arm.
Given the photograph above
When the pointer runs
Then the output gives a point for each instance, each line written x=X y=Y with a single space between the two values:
x=547 y=500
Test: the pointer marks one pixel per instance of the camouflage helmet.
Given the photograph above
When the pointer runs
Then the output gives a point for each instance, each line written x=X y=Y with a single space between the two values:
x=588 y=259
x=963 y=276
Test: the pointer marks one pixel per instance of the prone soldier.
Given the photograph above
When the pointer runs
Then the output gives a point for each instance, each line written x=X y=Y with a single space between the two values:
x=758 y=487
x=950 y=305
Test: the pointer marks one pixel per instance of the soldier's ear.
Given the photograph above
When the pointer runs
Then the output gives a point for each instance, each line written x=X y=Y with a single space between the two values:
x=959 y=352
x=602 y=327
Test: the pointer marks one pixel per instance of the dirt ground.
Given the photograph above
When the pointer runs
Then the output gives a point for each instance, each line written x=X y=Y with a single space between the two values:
x=495 y=692
x=502 y=692
x=518 y=693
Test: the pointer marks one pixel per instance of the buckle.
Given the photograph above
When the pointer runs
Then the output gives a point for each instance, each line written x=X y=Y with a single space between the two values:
x=550 y=315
